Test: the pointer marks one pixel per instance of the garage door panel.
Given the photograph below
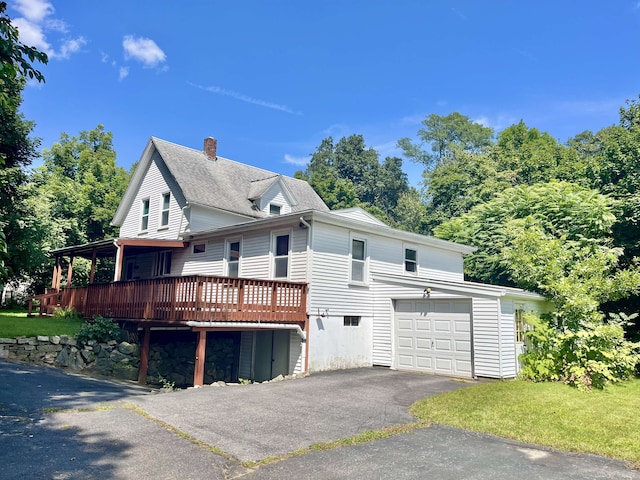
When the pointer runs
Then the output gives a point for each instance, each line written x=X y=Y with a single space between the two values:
x=423 y=325
x=424 y=363
x=406 y=361
x=443 y=345
x=463 y=367
x=442 y=326
x=423 y=344
x=405 y=325
x=462 y=326
x=435 y=337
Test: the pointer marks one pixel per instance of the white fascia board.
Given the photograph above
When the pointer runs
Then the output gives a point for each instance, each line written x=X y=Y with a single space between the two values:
x=134 y=184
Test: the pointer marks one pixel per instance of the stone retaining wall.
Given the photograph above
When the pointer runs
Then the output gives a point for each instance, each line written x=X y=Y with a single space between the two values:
x=117 y=359
x=169 y=360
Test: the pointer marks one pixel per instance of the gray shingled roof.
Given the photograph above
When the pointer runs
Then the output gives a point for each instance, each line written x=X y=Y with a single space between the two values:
x=228 y=185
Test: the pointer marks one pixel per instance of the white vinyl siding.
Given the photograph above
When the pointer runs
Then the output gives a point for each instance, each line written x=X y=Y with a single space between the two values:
x=201 y=218
x=275 y=196
x=153 y=186
x=487 y=338
x=296 y=353
x=209 y=262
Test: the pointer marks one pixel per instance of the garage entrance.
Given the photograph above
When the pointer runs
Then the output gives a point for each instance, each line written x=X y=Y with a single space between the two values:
x=433 y=336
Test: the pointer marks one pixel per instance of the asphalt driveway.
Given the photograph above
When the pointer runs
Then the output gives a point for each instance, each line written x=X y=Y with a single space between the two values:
x=176 y=435
x=252 y=422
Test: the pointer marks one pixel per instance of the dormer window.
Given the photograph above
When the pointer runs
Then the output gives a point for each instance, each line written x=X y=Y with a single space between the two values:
x=274 y=209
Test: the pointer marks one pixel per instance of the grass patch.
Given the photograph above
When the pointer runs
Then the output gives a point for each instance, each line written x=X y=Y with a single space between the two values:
x=15 y=323
x=551 y=414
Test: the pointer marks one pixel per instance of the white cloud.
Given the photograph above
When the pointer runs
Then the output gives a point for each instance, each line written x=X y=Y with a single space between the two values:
x=144 y=50
x=36 y=22
x=34 y=10
x=32 y=35
x=299 y=161
x=245 y=98
x=123 y=73
x=497 y=122
x=71 y=46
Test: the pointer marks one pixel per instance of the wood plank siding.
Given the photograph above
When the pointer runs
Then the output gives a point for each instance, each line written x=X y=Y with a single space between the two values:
x=193 y=298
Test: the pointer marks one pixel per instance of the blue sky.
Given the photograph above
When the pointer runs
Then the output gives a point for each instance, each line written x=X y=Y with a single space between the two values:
x=271 y=79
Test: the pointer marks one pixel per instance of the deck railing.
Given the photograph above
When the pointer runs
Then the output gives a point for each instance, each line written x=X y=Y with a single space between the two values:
x=192 y=298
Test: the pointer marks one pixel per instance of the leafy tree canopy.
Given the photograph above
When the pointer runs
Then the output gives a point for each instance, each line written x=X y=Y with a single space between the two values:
x=442 y=133
x=17 y=149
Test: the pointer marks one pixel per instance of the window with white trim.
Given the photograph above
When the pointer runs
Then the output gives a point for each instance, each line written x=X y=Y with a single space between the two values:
x=274 y=209
x=164 y=212
x=162 y=264
x=410 y=260
x=144 y=215
x=358 y=260
x=232 y=258
x=199 y=248
x=281 y=256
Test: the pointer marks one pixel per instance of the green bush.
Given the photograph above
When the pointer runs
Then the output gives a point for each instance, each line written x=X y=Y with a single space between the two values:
x=589 y=357
x=65 y=313
x=99 y=329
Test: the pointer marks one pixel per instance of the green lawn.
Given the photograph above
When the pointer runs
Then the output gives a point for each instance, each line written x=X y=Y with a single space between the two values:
x=551 y=414
x=14 y=323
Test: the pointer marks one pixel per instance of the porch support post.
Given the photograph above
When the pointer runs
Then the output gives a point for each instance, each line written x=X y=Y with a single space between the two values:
x=70 y=271
x=55 y=273
x=198 y=373
x=144 y=357
x=119 y=260
x=92 y=274
x=58 y=274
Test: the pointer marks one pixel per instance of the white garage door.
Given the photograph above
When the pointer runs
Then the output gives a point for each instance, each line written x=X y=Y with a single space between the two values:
x=434 y=336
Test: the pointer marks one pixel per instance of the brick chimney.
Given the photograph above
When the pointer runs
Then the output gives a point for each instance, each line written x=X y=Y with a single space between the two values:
x=210 y=147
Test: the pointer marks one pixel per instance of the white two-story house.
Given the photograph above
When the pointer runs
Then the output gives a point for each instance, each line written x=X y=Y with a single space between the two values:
x=210 y=244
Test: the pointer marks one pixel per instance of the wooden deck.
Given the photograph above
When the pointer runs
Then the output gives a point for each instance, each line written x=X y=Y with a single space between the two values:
x=192 y=298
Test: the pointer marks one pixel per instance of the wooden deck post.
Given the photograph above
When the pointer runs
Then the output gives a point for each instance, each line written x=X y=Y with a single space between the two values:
x=92 y=274
x=70 y=271
x=144 y=357
x=201 y=347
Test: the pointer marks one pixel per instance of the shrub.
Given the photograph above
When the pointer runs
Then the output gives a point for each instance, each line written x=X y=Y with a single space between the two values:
x=589 y=357
x=100 y=330
x=65 y=313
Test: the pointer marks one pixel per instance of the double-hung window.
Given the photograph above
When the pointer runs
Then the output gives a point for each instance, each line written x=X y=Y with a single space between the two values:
x=233 y=258
x=164 y=212
x=144 y=217
x=281 y=256
x=358 y=260
x=410 y=260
